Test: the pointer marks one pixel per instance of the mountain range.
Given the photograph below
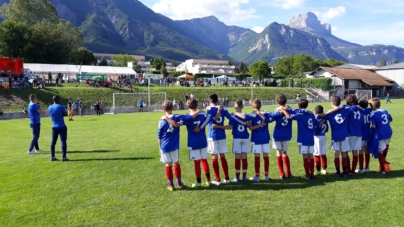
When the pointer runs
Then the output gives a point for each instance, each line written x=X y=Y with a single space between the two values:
x=128 y=26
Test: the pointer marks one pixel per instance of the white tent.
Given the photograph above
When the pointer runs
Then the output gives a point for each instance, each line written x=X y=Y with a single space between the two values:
x=76 y=69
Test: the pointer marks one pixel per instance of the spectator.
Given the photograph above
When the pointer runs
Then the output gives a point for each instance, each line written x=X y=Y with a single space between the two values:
x=49 y=77
x=25 y=111
x=101 y=107
x=70 y=109
x=80 y=105
x=1 y=112
x=34 y=111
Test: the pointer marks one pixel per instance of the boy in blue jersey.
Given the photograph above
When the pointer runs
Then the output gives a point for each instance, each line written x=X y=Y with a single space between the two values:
x=168 y=141
x=197 y=143
x=57 y=112
x=355 y=123
x=306 y=126
x=34 y=111
x=338 y=119
x=320 y=143
x=380 y=121
x=365 y=134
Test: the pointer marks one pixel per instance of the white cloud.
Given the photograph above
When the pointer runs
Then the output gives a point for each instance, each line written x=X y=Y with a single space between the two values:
x=334 y=29
x=289 y=4
x=225 y=10
x=258 y=29
x=330 y=13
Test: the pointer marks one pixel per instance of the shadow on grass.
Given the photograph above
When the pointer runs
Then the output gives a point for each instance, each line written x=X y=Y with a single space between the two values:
x=93 y=151
x=299 y=183
x=110 y=159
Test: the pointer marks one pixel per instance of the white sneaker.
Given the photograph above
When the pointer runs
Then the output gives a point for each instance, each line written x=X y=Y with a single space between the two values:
x=359 y=171
x=226 y=181
x=255 y=178
x=266 y=178
x=38 y=151
x=31 y=152
x=367 y=171
x=216 y=182
x=323 y=172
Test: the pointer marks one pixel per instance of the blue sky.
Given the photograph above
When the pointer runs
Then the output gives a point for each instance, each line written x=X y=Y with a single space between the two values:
x=360 y=21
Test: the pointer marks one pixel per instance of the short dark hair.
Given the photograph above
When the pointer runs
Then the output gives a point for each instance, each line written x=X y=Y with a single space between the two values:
x=192 y=104
x=56 y=99
x=281 y=99
x=167 y=106
x=257 y=104
x=32 y=97
x=319 y=109
x=213 y=98
x=335 y=100
x=363 y=103
x=239 y=103
x=351 y=100
x=303 y=104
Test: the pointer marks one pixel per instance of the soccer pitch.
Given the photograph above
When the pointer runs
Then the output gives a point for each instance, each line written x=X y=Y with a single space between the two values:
x=115 y=178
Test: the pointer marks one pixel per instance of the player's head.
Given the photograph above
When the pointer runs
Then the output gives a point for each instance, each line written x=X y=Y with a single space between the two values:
x=238 y=104
x=192 y=104
x=256 y=104
x=32 y=98
x=303 y=104
x=281 y=99
x=213 y=99
x=351 y=100
x=319 y=109
x=56 y=99
x=375 y=103
x=335 y=100
x=363 y=104
x=168 y=106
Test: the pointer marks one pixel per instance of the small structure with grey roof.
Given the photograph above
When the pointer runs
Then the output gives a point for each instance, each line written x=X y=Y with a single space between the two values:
x=394 y=72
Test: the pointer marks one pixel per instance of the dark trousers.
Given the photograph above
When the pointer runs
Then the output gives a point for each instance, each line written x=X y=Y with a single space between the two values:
x=36 y=130
x=56 y=132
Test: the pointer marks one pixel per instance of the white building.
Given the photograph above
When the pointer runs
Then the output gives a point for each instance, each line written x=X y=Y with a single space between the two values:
x=217 y=67
x=145 y=66
x=394 y=72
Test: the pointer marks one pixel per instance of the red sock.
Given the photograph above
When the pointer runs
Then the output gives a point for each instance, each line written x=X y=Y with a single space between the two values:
x=306 y=166
x=345 y=164
x=197 y=166
x=354 y=163
x=311 y=166
x=177 y=172
x=386 y=151
x=225 y=167
x=245 y=167
x=266 y=165
x=367 y=160
x=280 y=165
x=287 y=164
x=361 y=161
x=257 y=166
x=205 y=165
x=317 y=161
x=169 y=174
x=324 y=161
x=348 y=165
x=237 y=166
x=215 y=165
x=382 y=161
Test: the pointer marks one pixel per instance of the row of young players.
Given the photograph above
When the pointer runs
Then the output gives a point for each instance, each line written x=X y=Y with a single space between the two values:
x=311 y=137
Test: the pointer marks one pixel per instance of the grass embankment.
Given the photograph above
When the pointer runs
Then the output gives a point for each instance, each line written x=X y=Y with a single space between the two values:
x=14 y=99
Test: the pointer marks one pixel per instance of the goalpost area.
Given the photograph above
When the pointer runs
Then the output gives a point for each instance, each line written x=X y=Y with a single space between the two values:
x=129 y=102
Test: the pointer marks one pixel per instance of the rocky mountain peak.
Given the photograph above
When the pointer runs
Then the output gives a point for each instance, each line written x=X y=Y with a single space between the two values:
x=309 y=21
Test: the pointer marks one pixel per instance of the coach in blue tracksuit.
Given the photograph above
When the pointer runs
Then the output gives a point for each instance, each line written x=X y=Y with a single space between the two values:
x=34 y=111
x=57 y=112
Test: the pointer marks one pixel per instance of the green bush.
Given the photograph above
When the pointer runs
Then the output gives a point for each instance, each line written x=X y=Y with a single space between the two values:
x=323 y=83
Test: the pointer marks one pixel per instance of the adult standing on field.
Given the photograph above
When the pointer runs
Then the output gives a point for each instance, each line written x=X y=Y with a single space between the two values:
x=57 y=112
x=70 y=109
x=34 y=111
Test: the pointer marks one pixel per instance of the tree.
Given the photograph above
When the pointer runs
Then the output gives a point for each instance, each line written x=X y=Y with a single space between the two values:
x=83 y=56
x=230 y=63
x=158 y=63
x=284 y=66
x=331 y=62
x=243 y=67
x=302 y=63
x=395 y=61
x=122 y=60
x=14 y=39
x=383 y=63
x=103 y=62
x=260 y=69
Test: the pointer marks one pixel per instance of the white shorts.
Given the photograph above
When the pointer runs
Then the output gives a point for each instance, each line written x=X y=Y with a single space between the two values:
x=172 y=156
x=320 y=145
x=383 y=144
x=280 y=145
x=364 y=143
x=260 y=148
x=198 y=154
x=306 y=149
x=217 y=146
x=241 y=146
x=355 y=143
x=342 y=146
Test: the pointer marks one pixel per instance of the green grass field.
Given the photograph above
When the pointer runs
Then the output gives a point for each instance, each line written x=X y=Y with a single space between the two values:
x=115 y=178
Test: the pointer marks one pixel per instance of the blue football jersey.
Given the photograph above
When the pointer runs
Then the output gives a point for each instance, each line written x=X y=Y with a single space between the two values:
x=239 y=130
x=355 y=121
x=321 y=131
x=196 y=140
x=261 y=135
x=169 y=135
x=381 y=119
x=306 y=126
x=366 y=123
x=283 y=126
x=339 y=123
